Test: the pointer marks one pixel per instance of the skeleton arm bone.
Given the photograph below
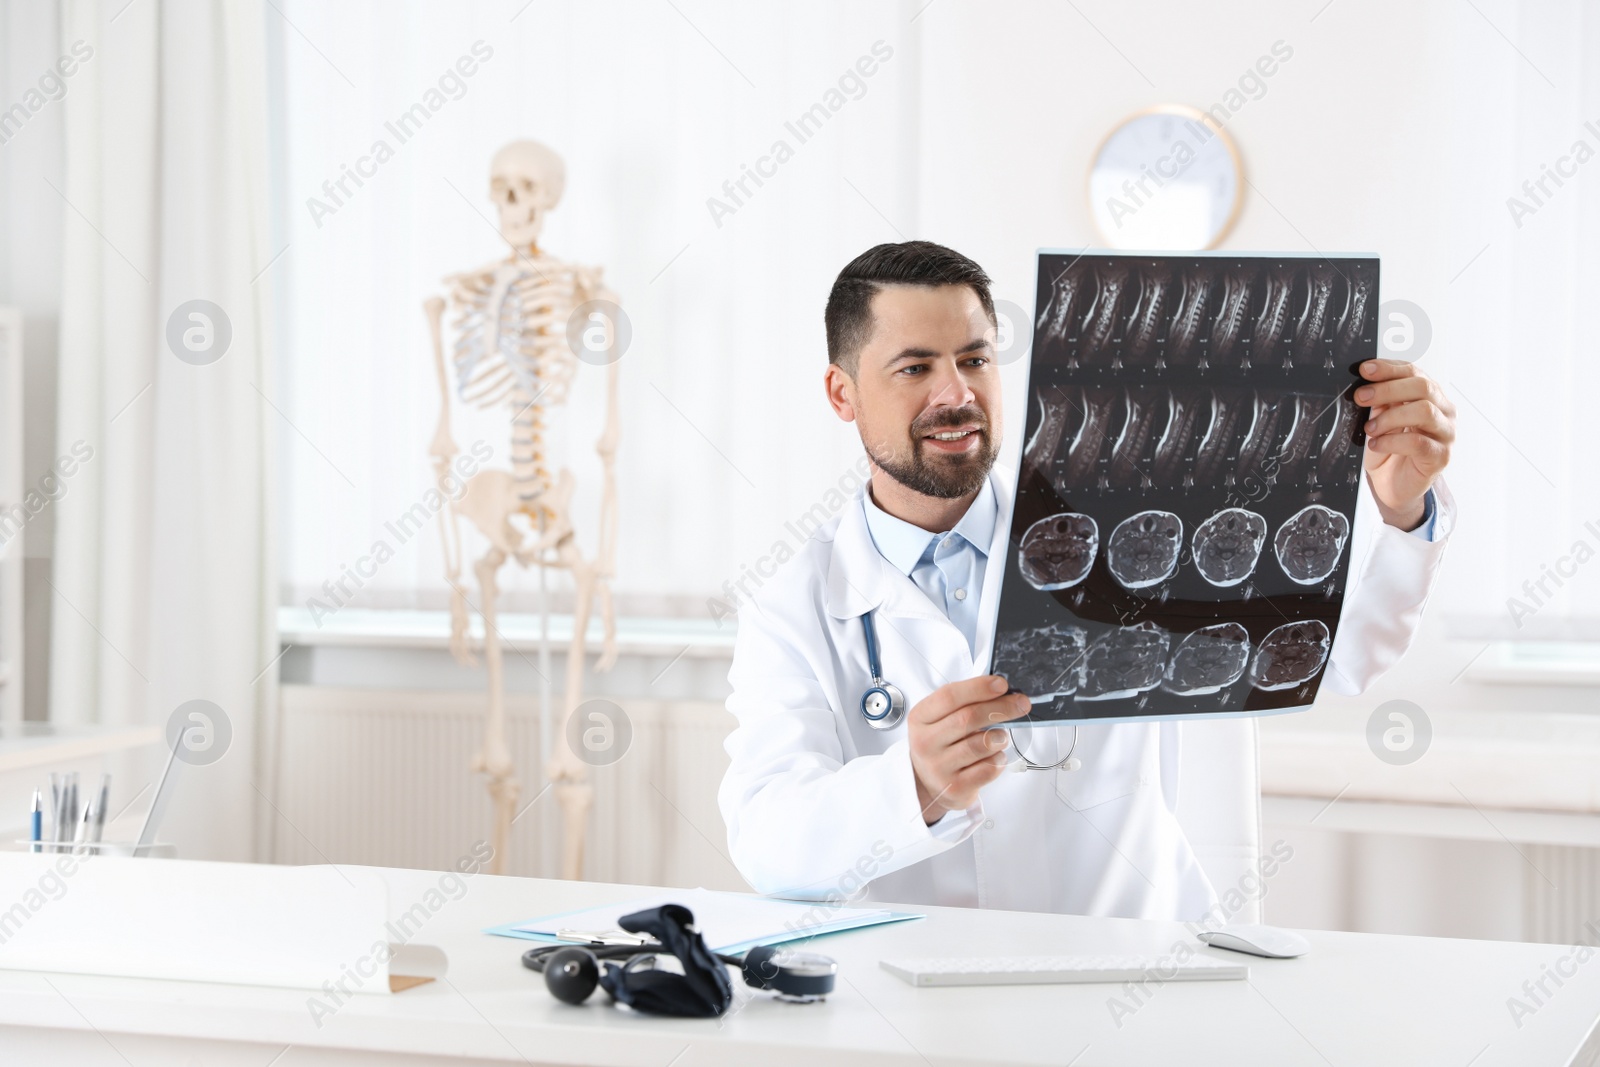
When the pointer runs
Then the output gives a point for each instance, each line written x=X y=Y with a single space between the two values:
x=606 y=446
x=443 y=451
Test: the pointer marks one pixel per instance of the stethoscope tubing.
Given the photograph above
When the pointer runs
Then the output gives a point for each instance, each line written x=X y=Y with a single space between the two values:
x=1061 y=764
x=883 y=706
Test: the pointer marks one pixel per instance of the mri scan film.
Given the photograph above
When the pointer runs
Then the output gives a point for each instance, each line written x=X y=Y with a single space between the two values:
x=1180 y=543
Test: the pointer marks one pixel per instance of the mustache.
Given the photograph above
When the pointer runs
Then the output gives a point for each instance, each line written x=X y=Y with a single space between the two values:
x=949 y=419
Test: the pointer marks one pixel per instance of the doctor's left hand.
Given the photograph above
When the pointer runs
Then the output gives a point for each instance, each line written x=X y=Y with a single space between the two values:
x=1410 y=429
x=954 y=753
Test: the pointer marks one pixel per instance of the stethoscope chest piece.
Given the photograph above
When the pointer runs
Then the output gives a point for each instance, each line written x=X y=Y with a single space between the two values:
x=882 y=705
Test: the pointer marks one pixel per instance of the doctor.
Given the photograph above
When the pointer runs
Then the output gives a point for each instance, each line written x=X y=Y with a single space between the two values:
x=931 y=811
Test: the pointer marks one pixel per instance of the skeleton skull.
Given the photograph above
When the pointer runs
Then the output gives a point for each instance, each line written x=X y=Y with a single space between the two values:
x=526 y=180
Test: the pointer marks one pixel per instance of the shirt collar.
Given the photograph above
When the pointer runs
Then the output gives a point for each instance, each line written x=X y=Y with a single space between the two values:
x=903 y=544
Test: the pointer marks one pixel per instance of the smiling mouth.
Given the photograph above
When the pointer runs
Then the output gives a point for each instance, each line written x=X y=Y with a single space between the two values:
x=954 y=440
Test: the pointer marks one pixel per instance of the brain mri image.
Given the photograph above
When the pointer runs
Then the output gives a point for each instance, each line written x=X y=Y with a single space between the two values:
x=1124 y=663
x=1180 y=538
x=1310 y=543
x=1227 y=545
x=1058 y=551
x=1208 y=660
x=1143 y=549
x=1291 y=655
x=1045 y=661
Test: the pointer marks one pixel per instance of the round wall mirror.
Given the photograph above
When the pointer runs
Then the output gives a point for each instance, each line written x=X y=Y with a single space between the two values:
x=1166 y=179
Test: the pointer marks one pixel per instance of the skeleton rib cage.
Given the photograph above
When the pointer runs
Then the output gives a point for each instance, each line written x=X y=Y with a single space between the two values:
x=511 y=348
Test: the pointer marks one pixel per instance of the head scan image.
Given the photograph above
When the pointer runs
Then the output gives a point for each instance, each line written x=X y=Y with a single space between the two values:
x=1143 y=549
x=1310 y=542
x=1058 y=550
x=1227 y=545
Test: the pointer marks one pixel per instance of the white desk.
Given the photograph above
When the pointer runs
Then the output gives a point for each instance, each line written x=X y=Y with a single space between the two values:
x=1359 y=1000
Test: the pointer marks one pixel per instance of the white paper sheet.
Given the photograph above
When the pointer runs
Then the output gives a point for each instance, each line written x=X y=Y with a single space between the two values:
x=243 y=923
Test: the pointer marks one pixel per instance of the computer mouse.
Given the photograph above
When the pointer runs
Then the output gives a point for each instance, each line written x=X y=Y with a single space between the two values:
x=1257 y=940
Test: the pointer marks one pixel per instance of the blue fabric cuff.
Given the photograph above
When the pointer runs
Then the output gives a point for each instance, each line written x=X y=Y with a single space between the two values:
x=1430 y=512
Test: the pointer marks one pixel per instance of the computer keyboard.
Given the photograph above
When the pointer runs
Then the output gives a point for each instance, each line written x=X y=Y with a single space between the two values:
x=1046 y=970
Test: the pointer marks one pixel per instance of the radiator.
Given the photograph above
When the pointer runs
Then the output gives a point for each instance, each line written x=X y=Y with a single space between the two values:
x=380 y=777
x=1561 y=894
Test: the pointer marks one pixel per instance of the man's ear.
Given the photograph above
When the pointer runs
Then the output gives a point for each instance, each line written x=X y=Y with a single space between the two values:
x=841 y=390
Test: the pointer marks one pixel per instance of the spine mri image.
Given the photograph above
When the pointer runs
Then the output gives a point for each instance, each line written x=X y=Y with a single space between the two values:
x=1189 y=474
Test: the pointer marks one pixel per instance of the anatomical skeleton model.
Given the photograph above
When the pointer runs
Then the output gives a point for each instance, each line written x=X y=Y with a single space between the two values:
x=510 y=349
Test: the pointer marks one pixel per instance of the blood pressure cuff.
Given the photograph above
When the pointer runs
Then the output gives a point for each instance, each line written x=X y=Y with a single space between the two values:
x=701 y=991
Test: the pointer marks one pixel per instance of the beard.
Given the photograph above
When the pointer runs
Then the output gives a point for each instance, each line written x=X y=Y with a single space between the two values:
x=939 y=474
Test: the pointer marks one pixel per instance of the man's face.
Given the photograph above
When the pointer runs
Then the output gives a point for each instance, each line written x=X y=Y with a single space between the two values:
x=926 y=393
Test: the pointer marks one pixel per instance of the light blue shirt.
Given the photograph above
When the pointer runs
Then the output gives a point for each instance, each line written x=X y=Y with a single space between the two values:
x=948 y=566
x=1430 y=518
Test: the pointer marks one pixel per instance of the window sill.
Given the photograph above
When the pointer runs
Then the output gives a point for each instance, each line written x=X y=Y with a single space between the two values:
x=1537 y=663
x=367 y=628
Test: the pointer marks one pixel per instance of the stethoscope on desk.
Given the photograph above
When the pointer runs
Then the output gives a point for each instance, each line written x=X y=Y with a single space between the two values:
x=884 y=707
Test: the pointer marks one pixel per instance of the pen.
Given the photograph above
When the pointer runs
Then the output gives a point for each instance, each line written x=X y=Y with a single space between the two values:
x=81 y=838
x=100 y=807
x=37 y=829
x=57 y=798
x=72 y=806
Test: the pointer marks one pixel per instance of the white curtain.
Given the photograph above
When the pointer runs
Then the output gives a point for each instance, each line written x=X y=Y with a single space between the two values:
x=163 y=555
x=1521 y=181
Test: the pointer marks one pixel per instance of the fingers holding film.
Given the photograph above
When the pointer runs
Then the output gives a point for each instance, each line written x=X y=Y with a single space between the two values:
x=1419 y=416
x=951 y=698
x=1429 y=455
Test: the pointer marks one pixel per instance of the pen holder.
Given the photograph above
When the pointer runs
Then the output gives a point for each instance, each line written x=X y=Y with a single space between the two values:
x=101 y=848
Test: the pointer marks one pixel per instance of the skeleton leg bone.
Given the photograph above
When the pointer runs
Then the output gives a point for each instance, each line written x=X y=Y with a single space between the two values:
x=606 y=558
x=495 y=757
x=566 y=771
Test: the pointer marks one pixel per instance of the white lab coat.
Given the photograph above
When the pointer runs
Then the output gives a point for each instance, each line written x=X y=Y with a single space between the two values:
x=821 y=806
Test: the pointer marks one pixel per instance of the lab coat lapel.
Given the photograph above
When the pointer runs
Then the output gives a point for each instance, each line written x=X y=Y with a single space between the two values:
x=861 y=580
x=994 y=568
x=921 y=647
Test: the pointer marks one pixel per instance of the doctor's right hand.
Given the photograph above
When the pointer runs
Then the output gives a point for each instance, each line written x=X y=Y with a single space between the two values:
x=953 y=755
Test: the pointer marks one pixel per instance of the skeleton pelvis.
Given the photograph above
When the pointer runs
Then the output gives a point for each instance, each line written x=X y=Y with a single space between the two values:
x=493 y=497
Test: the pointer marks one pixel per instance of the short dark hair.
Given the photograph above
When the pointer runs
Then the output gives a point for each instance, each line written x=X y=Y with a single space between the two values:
x=849 y=313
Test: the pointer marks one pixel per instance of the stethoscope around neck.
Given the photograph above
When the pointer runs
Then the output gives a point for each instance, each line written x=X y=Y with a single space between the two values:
x=884 y=707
